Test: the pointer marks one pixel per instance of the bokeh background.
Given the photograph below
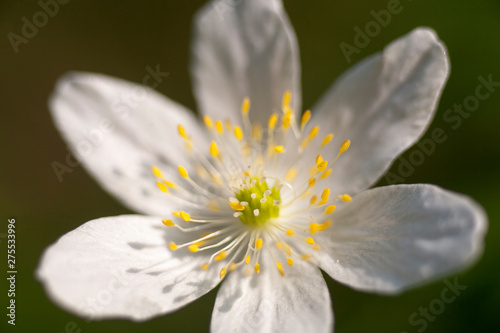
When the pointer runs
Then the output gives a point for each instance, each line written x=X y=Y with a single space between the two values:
x=121 y=38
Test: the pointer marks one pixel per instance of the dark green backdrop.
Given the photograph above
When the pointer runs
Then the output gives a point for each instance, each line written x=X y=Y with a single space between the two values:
x=121 y=38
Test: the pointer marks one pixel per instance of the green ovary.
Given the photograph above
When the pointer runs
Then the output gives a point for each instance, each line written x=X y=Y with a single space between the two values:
x=267 y=210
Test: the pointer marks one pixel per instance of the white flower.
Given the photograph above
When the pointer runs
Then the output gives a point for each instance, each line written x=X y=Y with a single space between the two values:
x=258 y=196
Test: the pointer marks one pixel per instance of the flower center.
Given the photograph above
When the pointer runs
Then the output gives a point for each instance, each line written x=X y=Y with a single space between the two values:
x=256 y=202
x=256 y=189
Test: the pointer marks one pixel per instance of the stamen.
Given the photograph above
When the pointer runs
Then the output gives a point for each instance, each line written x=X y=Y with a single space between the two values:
x=222 y=255
x=162 y=187
x=305 y=118
x=330 y=209
x=223 y=272
x=156 y=172
x=272 y=121
x=287 y=96
x=183 y=172
x=219 y=127
x=280 y=268
x=238 y=133
x=258 y=243
x=245 y=106
x=312 y=181
x=326 y=174
x=346 y=197
x=327 y=139
x=182 y=131
x=279 y=149
x=168 y=222
x=208 y=122
x=214 y=150
x=183 y=215
x=324 y=196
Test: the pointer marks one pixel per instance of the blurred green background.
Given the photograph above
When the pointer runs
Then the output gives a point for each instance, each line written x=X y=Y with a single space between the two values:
x=121 y=38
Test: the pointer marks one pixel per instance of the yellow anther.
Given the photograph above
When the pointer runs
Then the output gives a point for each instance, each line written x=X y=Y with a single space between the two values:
x=257 y=131
x=232 y=267
x=204 y=267
x=292 y=173
x=322 y=166
x=168 y=222
x=310 y=241
x=316 y=247
x=289 y=261
x=238 y=133
x=325 y=225
x=324 y=196
x=172 y=246
x=183 y=172
x=279 y=245
x=183 y=215
x=257 y=268
x=258 y=243
x=236 y=206
x=345 y=145
x=287 y=118
x=319 y=159
x=306 y=257
x=219 y=127
x=312 y=181
x=326 y=174
x=245 y=105
x=182 y=131
x=280 y=268
x=193 y=248
x=288 y=250
x=222 y=255
x=279 y=149
x=228 y=125
x=314 y=227
x=313 y=132
x=214 y=150
x=290 y=232
x=327 y=139
x=272 y=121
x=208 y=122
x=330 y=209
x=287 y=96
x=156 y=172
x=162 y=187
x=313 y=200
x=346 y=197
x=223 y=272
x=247 y=260
x=305 y=118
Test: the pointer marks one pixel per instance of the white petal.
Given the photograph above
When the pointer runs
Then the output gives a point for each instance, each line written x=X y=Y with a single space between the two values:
x=120 y=267
x=391 y=238
x=269 y=302
x=244 y=49
x=383 y=105
x=119 y=130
